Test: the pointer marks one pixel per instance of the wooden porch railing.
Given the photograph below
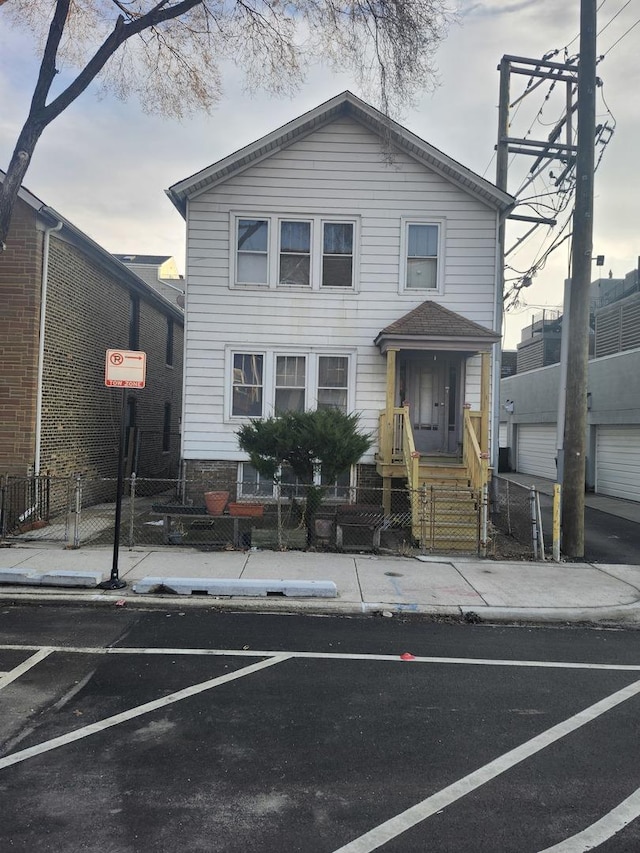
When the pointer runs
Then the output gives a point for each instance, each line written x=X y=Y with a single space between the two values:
x=476 y=462
x=397 y=446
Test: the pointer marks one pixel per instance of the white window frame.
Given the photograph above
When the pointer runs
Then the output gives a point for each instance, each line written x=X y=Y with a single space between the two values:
x=236 y=251
x=317 y=223
x=311 y=223
x=330 y=498
x=404 y=248
x=312 y=364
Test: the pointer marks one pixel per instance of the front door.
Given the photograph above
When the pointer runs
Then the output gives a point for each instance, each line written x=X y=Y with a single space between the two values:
x=433 y=384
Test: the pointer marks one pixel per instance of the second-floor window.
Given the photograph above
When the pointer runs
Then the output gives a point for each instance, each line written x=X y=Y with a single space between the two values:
x=315 y=252
x=421 y=256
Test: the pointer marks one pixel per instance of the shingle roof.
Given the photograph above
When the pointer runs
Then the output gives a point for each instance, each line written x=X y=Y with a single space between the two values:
x=150 y=260
x=432 y=323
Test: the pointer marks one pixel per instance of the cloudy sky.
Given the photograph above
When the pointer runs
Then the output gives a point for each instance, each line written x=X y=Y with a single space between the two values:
x=104 y=164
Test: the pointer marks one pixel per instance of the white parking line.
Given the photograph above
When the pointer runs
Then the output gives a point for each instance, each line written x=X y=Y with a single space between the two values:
x=116 y=719
x=25 y=666
x=113 y=650
x=602 y=830
x=395 y=826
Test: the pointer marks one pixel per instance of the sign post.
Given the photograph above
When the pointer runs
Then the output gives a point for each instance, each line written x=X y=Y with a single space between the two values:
x=123 y=369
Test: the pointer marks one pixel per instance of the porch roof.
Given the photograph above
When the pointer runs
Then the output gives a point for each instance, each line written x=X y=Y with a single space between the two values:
x=431 y=326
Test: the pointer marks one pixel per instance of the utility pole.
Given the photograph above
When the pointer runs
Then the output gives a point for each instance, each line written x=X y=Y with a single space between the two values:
x=582 y=250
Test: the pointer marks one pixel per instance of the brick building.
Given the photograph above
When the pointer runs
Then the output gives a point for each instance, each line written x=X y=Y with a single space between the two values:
x=65 y=302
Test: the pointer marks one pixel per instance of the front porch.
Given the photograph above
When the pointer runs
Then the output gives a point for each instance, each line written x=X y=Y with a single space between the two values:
x=430 y=438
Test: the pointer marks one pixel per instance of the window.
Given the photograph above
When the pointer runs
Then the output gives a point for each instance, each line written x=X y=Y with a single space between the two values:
x=169 y=347
x=134 y=323
x=285 y=251
x=337 y=254
x=166 y=429
x=295 y=253
x=253 y=251
x=333 y=382
x=274 y=382
x=252 y=485
x=338 y=489
x=290 y=383
x=247 y=385
x=421 y=256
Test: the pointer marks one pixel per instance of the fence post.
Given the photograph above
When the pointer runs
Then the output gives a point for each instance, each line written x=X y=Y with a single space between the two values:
x=557 y=495
x=3 y=504
x=540 y=528
x=534 y=521
x=132 y=508
x=484 y=519
x=73 y=539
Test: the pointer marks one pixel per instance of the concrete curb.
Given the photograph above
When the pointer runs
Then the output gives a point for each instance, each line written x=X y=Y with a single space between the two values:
x=237 y=587
x=626 y=614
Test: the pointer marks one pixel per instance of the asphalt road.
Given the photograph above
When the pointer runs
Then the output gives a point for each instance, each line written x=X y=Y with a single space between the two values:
x=127 y=730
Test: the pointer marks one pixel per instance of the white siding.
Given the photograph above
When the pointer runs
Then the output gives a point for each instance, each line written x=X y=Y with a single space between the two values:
x=537 y=450
x=618 y=461
x=342 y=170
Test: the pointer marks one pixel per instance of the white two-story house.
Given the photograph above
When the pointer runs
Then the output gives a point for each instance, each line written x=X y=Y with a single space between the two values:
x=342 y=261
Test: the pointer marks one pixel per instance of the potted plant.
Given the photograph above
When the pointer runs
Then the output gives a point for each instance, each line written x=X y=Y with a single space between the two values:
x=216 y=502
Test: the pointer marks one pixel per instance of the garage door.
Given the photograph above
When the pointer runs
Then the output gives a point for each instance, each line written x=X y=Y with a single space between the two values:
x=618 y=461
x=537 y=450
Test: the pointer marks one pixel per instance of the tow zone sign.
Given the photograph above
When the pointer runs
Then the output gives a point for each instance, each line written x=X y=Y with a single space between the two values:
x=125 y=368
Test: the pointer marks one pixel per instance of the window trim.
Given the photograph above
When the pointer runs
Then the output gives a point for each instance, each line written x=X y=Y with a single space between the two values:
x=312 y=364
x=438 y=223
x=274 y=220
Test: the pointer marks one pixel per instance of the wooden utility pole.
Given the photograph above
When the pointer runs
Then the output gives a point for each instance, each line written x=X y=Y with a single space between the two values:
x=582 y=250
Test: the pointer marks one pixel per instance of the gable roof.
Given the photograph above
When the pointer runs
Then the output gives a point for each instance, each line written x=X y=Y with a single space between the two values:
x=345 y=104
x=431 y=326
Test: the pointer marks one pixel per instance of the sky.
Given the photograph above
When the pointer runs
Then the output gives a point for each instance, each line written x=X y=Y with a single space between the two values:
x=104 y=164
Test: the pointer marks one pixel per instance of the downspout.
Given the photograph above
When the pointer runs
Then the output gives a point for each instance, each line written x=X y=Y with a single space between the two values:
x=43 y=318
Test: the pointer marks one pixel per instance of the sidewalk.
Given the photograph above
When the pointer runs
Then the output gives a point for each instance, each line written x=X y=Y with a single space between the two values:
x=347 y=584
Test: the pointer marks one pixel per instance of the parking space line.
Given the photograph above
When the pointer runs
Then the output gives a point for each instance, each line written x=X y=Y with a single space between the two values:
x=25 y=666
x=602 y=830
x=404 y=821
x=138 y=711
x=118 y=650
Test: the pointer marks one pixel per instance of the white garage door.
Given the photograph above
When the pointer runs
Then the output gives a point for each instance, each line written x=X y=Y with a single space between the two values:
x=537 y=450
x=618 y=461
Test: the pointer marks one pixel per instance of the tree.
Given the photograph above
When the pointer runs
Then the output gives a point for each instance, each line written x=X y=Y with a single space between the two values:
x=170 y=52
x=326 y=439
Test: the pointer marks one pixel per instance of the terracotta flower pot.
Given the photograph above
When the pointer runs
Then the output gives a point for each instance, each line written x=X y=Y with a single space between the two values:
x=242 y=509
x=216 y=502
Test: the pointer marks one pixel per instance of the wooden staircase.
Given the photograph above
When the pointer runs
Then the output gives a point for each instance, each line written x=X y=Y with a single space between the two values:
x=445 y=507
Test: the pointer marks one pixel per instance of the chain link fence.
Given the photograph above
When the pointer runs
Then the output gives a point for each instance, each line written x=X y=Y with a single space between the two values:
x=516 y=528
x=156 y=512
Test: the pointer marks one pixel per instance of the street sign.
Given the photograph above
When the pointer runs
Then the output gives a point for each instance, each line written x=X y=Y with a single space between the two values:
x=125 y=368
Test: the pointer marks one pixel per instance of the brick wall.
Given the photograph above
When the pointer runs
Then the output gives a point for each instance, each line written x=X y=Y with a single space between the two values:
x=20 y=282
x=88 y=313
